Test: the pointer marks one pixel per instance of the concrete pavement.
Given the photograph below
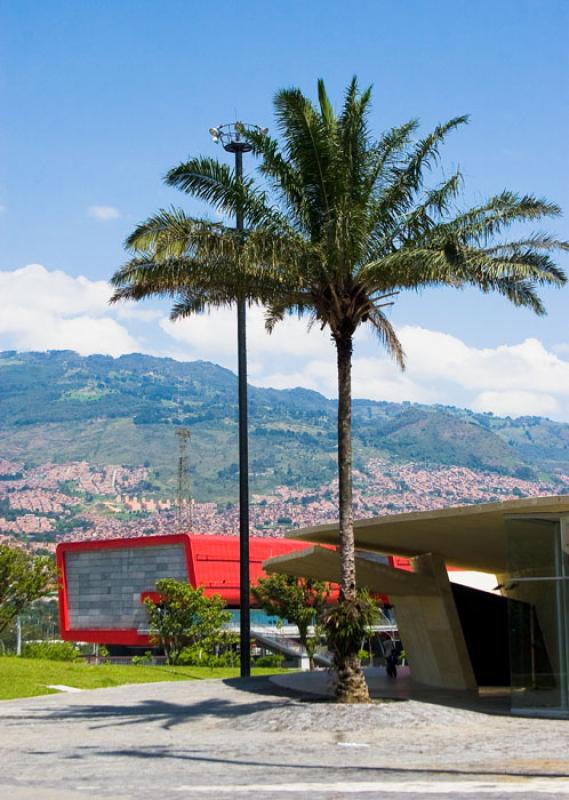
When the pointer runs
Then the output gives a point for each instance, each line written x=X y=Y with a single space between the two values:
x=247 y=739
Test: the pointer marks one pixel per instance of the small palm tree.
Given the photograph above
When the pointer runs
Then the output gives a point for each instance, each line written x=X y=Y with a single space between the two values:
x=339 y=223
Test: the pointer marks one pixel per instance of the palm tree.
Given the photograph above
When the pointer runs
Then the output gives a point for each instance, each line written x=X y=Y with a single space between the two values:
x=337 y=225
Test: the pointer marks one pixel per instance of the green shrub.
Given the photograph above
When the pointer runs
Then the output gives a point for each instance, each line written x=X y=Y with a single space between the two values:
x=347 y=624
x=186 y=618
x=199 y=657
x=145 y=659
x=271 y=660
x=53 y=651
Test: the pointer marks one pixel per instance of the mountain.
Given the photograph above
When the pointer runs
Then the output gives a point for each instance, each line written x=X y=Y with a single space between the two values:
x=60 y=407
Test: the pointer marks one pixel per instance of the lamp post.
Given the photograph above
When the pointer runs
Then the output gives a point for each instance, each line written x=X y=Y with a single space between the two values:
x=232 y=139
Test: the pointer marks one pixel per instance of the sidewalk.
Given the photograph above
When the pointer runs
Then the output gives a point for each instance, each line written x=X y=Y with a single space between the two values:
x=320 y=684
x=251 y=739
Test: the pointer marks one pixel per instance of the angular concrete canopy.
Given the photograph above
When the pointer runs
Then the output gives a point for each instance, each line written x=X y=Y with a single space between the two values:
x=472 y=537
x=323 y=564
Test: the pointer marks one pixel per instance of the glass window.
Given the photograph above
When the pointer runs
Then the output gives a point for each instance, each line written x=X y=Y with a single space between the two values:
x=538 y=612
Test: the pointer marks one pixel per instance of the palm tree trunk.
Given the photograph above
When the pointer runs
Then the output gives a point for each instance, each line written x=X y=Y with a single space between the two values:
x=351 y=685
x=348 y=564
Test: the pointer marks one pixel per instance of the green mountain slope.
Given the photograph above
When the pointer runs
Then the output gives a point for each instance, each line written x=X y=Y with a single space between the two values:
x=59 y=407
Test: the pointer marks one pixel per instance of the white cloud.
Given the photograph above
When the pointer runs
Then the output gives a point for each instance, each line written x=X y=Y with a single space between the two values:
x=123 y=311
x=380 y=379
x=37 y=288
x=87 y=335
x=214 y=335
x=43 y=310
x=515 y=404
x=103 y=213
x=372 y=379
x=519 y=379
x=524 y=367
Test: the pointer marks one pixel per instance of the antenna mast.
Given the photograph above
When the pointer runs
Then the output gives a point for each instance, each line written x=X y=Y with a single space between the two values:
x=184 y=498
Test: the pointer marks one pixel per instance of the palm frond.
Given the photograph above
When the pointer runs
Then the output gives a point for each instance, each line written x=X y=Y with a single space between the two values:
x=141 y=278
x=285 y=180
x=387 y=336
x=354 y=142
x=167 y=230
x=326 y=110
x=216 y=184
x=540 y=241
x=307 y=145
x=405 y=180
x=415 y=225
x=388 y=152
x=338 y=222
x=480 y=224
x=453 y=265
x=519 y=292
x=205 y=178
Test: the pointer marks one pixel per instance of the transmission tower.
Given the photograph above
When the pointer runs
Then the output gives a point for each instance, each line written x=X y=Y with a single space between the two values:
x=184 y=496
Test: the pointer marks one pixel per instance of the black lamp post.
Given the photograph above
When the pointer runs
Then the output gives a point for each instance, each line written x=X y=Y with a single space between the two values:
x=231 y=137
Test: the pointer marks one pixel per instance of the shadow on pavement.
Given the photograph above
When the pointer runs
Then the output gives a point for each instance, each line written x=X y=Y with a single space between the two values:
x=314 y=687
x=166 y=713
x=164 y=753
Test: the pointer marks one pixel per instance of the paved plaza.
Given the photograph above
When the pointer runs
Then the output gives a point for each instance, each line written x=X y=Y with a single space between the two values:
x=245 y=739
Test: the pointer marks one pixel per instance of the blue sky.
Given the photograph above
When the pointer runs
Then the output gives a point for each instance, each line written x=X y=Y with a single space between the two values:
x=99 y=99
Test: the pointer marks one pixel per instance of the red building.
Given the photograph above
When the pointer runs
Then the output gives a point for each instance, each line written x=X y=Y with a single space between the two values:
x=102 y=584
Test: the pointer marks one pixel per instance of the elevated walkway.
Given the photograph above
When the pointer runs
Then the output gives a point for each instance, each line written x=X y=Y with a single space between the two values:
x=284 y=640
x=273 y=640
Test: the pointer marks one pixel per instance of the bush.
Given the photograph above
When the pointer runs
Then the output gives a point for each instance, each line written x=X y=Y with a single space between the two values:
x=53 y=651
x=199 y=657
x=271 y=660
x=185 y=618
x=144 y=660
x=347 y=624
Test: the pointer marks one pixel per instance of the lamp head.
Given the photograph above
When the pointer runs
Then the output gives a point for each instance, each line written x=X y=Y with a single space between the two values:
x=233 y=136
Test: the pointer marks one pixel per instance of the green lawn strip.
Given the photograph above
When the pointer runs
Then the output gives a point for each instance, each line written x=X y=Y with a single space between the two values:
x=28 y=677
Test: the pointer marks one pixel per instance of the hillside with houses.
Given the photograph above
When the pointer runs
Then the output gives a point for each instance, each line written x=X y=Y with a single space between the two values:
x=88 y=448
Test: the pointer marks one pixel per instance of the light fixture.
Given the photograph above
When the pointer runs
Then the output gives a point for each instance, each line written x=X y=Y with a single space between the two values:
x=233 y=136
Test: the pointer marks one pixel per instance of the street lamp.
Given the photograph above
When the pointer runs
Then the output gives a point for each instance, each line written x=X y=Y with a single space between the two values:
x=232 y=139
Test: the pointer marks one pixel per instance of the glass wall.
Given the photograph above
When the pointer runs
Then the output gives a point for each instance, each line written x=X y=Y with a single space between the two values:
x=537 y=586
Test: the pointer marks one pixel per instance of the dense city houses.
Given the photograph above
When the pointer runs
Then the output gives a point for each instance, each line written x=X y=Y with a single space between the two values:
x=44 y=504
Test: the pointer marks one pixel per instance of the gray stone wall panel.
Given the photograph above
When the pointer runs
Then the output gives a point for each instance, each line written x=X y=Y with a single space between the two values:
x=104 y=586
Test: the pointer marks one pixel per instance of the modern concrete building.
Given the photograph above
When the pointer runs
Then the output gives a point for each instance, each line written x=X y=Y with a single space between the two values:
x=458 y=637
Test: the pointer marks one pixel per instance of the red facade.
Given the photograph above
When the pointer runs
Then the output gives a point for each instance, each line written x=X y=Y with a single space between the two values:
x=210 y=561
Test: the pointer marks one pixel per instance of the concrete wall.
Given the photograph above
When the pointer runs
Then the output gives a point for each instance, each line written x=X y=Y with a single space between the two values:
x=104 y=586
x=431 y=631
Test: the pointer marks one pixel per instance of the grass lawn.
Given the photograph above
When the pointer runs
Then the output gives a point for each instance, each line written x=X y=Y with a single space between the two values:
x=28 y=677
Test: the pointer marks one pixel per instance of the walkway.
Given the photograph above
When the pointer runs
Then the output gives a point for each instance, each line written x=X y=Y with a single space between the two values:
x=245 y=739
x=319 y=684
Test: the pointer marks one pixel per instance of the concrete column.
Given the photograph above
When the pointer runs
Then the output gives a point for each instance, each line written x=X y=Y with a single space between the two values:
x=431 y=631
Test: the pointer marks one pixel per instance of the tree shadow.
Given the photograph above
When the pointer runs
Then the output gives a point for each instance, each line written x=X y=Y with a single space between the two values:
x=494 y=703
x=263 y=686
x=165 y=713
x=196 y=755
